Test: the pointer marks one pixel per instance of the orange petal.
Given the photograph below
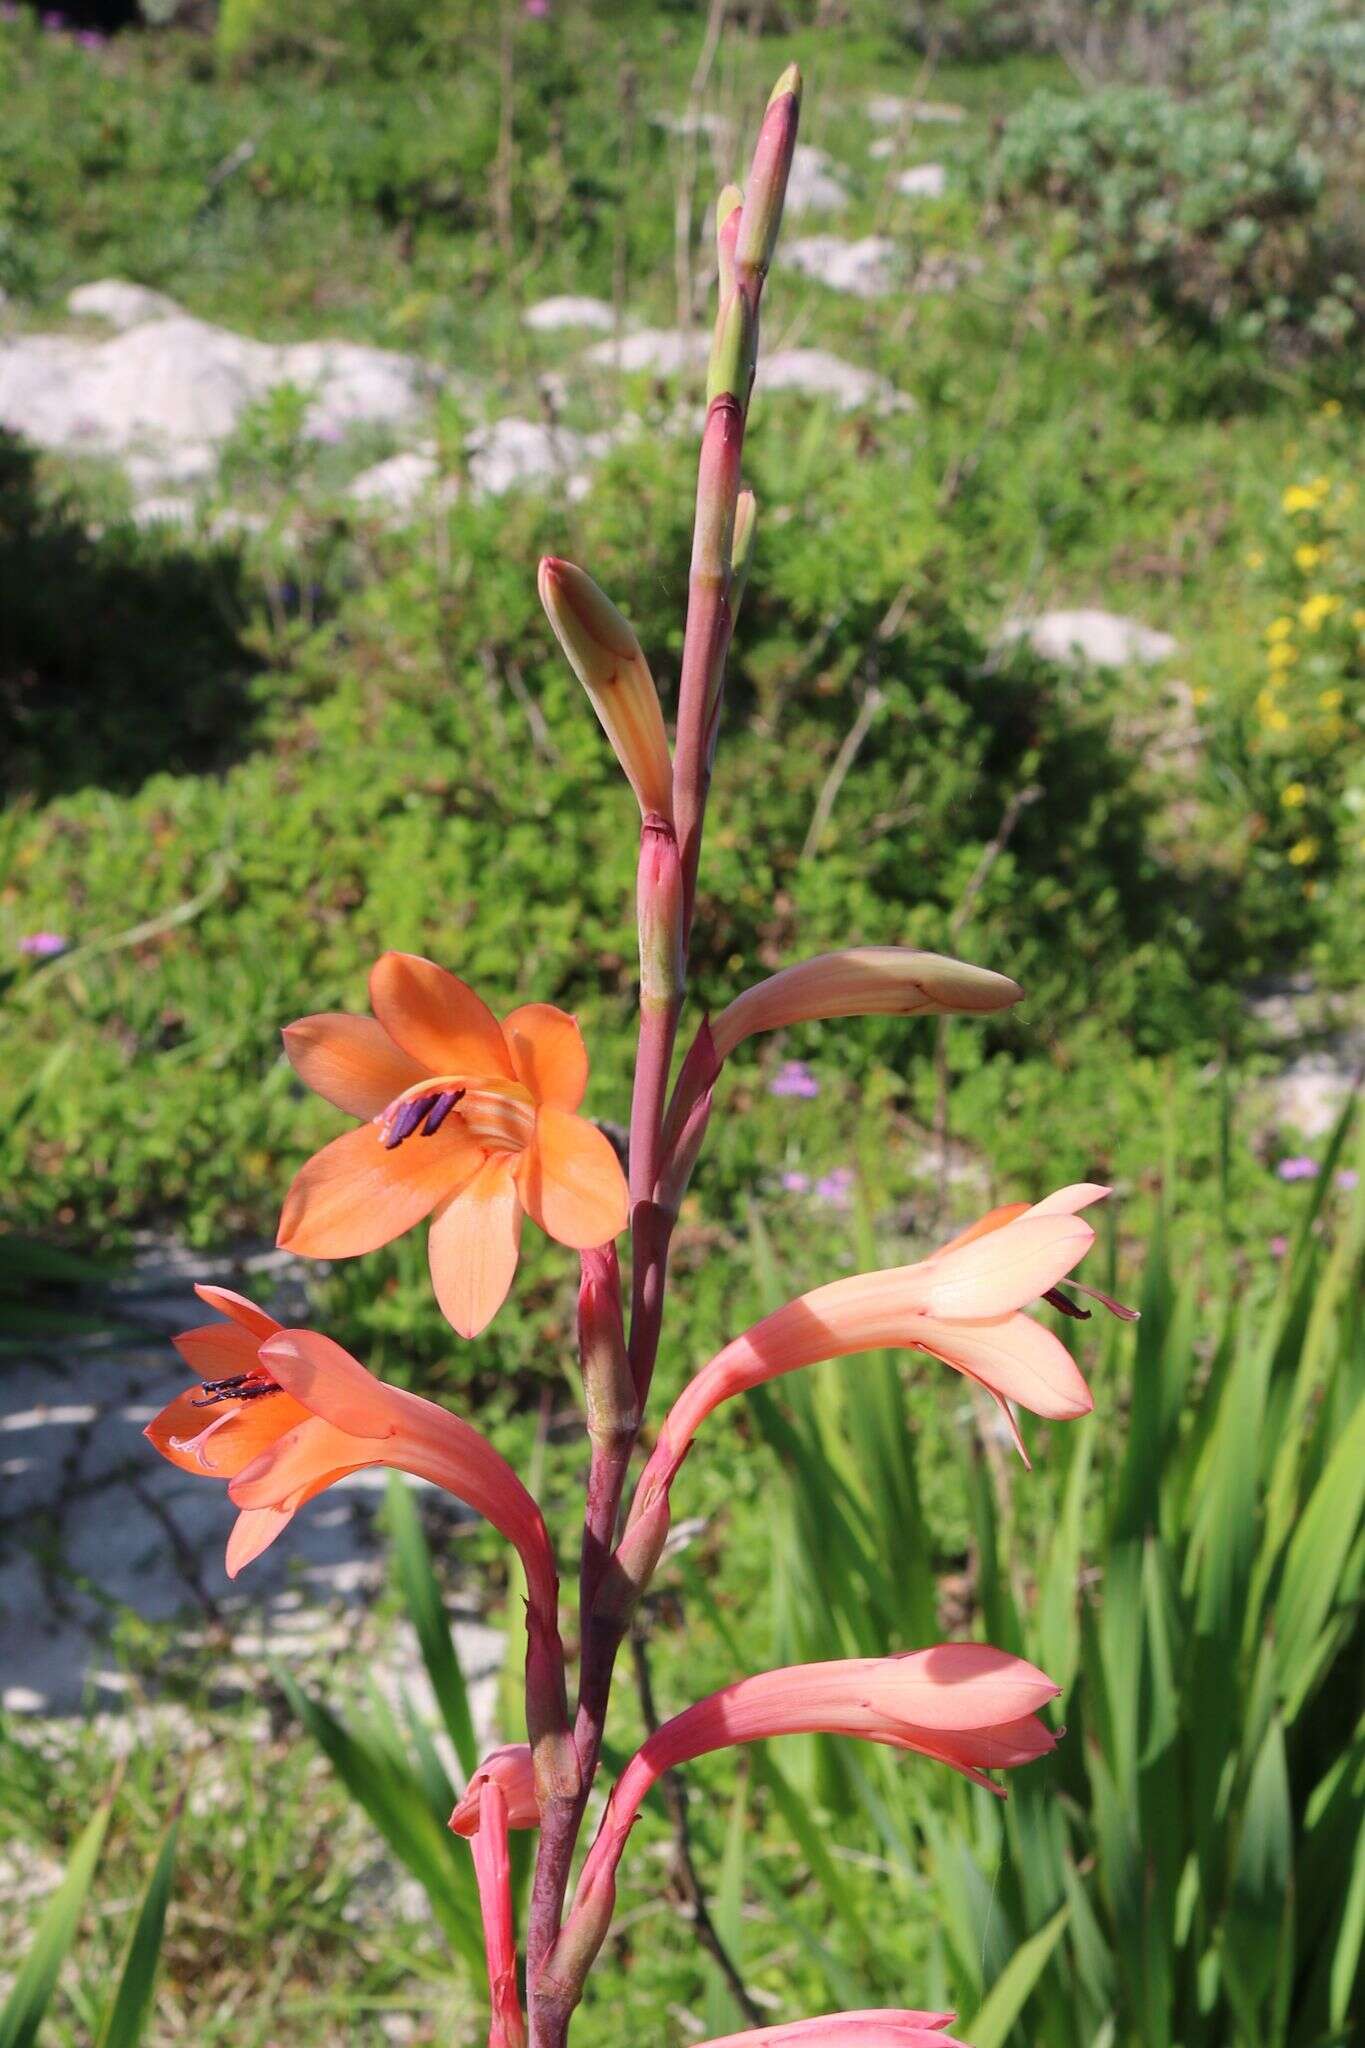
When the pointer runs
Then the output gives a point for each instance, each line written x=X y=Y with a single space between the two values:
x=354 y=1195
x=548 y=1053
x=571 y=1181
x=301 y=1464
x=350 y=1061
x=229 y=1303
x=1006 y=1270
x=332 y=1384
x=215 y=1351
x=1015 y=1358
x=228 y=1435
x=472 y=1248
x=254 y=1530
x=435 y=1017
x=994 y=1219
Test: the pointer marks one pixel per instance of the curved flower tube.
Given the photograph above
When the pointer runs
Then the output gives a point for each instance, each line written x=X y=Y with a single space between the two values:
x=493 y=1874
x=468 y=1121
x=281 y=1414
x=968 y=1705
x=962 y=1306
x=859 y=981
x=509 y=1768
x=880 y=2029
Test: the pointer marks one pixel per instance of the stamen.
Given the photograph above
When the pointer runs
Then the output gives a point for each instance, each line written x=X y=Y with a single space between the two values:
x=445 y=1102
x=405 y=1121
x=193 y=1446
x=243 y=1386
x=1065 y=1305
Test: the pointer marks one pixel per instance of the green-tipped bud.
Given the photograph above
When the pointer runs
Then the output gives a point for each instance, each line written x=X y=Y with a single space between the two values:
x=606 y=657
x=659 y=895
x=732 y=352
x=727 y=227
x=766 y=186
x=789 y=84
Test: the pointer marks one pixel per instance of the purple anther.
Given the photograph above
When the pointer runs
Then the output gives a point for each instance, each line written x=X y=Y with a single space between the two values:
x=406 y=1122
x=441 y=1109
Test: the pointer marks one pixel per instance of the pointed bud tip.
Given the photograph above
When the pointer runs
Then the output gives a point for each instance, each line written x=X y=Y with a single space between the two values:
x=729 y=202
x=789 y=82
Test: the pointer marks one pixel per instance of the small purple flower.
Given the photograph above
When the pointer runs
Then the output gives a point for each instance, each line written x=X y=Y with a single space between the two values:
x=796 y=1183
x=794 y=1078
x=1297 y=1168
x=1348 y=1180
x=53 y=22
x=835 y=1189
x=536 y=9
x=43 y=945
x=90 y=39
x=1278 y=1247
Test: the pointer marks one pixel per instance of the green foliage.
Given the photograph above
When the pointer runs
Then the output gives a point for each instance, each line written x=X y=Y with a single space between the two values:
x=1206 y=203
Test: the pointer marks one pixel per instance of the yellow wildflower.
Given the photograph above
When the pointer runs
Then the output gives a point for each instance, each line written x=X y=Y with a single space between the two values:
x=1281 y=655
x=1330 y=700
x=1279 y=629
x=1318 y=607
x=1255 y=560
x=1302 y=851
x=1330 y=408
x=1199 y=694
x=1294 y=795
x=1307 y=557
x=1298 y=498
x=1276 y=720
x=1358 y=619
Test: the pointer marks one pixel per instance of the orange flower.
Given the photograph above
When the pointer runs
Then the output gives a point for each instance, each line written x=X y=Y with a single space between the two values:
x=469 y=1121
x=281 y=1414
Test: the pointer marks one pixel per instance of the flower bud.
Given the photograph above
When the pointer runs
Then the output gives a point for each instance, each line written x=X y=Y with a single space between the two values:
x=766 y=187
x=862 y=981
x=606 y=656
x=510 y=1768
x=731 y=369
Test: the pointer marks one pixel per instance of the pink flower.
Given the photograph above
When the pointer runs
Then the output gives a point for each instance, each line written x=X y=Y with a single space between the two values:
x=493 y=1874
x=1277 y=1247
x=43 y=945
x=1298 y=1168
x=794 y=1078
x=962 y=1306
x=885 y=2029
x=834 y=1190
x=967 y=1705
x=510 y=1768
x=536 y=9
x=1348 y=1179
x=796 y=1183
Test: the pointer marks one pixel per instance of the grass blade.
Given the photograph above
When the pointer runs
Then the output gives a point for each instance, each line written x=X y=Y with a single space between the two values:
x=422 y=1594
x=132 y=2000
x=29 y=1998
x=1010 y=1992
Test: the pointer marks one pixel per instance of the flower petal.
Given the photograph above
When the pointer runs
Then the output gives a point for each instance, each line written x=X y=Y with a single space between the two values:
x=472 y=1248
x=355 y=1195
x=1015 y=1358
x=328 y=1382
x=303 y=1461
x=254 y=1530
x=350 y=1061
x=229 y=1303
x=1007 y=1269
x=994 y=1219
x=214 y=1351
x=229 y=1436
x=571 y=1181
x=436 y=1018
x=548 y=1053
x=1067 y=1201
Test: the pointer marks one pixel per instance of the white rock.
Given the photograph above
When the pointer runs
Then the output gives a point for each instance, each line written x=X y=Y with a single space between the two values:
x=398 y=484
x=164 y=511
x=923 y=181
x=865 y=269
x=355 y=385
x=175 y=381
x=883 y=149
x=1311 y=1093
x=822 y=375
x=814 y=185
x=513 y=452
x=119 y=304
x=889 y=112
x=663 y=351
x=567 y=310
x=716 y=126
x=1103 y=639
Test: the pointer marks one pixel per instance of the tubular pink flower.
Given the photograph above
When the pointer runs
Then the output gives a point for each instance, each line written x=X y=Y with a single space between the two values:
x=493 y=1873
x=962 y=1306
x=511 y=1770
x=967 y=1705
x=880 y=2029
